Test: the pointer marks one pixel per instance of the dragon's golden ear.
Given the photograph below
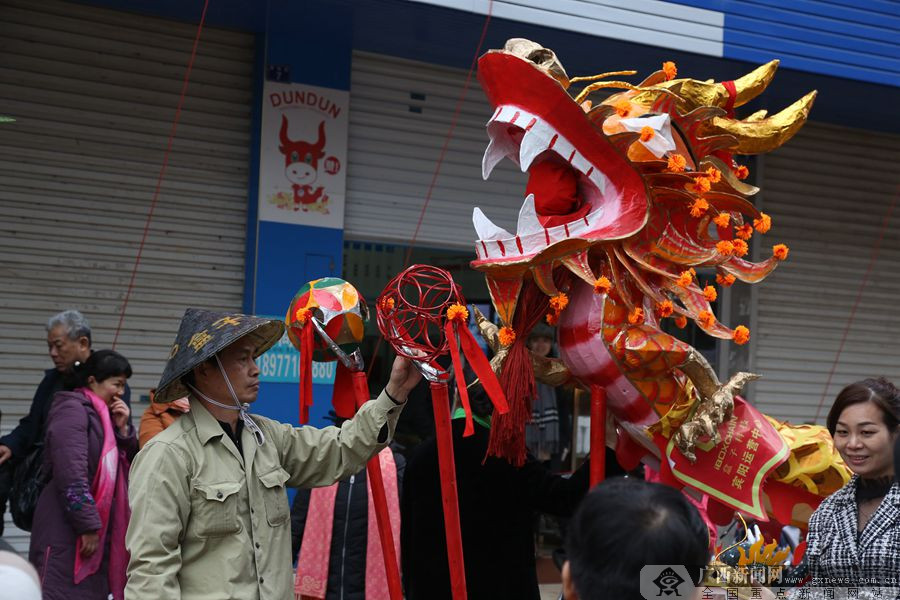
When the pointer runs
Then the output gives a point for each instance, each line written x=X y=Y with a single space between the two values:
x=756 y=135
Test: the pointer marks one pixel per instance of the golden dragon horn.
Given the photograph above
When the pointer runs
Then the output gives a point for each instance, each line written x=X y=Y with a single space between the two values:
x=756 y=136
x=710 y=93
x=753 y=83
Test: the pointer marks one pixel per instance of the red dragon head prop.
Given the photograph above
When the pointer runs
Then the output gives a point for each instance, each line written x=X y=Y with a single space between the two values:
x=626 y=199
x=645 y=177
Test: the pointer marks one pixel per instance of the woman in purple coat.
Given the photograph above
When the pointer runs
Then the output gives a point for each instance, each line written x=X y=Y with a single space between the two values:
x=78 y=540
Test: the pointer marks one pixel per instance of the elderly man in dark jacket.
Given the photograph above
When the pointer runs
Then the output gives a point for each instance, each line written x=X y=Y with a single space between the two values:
x=68 y=342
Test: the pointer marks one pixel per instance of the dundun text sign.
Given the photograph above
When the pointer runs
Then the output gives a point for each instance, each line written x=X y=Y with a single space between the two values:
x=303 y=154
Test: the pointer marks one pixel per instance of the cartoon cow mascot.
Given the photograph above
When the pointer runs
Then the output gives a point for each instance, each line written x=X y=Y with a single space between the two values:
x=301 y=161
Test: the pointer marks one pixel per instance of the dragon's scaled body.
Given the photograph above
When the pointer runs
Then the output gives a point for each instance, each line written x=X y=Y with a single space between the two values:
x=626 y=200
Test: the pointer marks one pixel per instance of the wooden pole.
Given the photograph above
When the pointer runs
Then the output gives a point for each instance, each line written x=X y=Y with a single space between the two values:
x=598 y=434
x=440 y=399
x=379 y=501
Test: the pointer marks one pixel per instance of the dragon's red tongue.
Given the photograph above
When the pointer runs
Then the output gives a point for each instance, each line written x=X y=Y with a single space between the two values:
x=555 y=190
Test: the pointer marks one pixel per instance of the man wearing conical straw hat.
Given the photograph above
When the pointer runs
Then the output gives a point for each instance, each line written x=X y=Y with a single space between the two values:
x=210 y=517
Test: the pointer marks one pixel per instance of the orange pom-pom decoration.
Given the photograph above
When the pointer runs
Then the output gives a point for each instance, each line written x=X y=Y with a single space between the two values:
x=676 y=163
x=303 y=315
x=710 y=293
x=387 y=303
x=722 y=219
x=763 y=223
x=457 y=312
x=706 y=319
x=602 y=285
x=670 y=70
x=623 y=107
x=714 y=175
x=741 y=335
x=636 y=316
x=699 y=186
x=507 y=336
x=780 y=251
x=740 y=247
x=742 y=172
x=647 y=133
x=726 y=280
x=681 y=321
x=559 y=302
x=552 y=318
x=699 y=208
x=745 y=231
x=725 y=247
x=665 y=309
x=685 y=279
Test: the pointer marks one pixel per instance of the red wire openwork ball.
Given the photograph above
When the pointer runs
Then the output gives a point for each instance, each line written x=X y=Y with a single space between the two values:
x=412 y=310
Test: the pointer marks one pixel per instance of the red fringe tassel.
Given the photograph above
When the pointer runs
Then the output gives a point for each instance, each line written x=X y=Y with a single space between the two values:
x=517 y=380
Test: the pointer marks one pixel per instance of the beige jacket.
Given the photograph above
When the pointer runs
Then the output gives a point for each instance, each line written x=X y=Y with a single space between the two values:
x=209 y=525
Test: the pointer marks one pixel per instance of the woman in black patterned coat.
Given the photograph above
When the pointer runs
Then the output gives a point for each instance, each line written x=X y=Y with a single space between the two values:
x=854 y=535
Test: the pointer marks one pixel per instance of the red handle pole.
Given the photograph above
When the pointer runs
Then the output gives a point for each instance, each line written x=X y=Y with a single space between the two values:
x=379 y=501
x=441 y=401
x=598 y=434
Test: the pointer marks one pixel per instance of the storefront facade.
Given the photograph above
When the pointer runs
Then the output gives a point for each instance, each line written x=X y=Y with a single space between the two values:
x=94 y=86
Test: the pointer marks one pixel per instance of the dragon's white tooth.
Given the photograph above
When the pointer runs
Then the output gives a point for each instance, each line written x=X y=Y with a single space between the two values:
x=493 y=154
x=528 y=219
x=534 y=142
x=501 y=146
x=486 y=229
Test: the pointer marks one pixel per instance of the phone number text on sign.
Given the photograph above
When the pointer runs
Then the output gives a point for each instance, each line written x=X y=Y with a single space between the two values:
x=281 y=367
x=281 y=363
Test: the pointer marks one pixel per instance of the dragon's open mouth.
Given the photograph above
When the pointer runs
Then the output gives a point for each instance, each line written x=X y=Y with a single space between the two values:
x=528 y=140
x=546 y=131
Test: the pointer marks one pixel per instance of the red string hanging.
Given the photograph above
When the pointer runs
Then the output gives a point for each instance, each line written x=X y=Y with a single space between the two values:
x=305 y=367
x=162 y=171
x=342 y=397
x=517 y=380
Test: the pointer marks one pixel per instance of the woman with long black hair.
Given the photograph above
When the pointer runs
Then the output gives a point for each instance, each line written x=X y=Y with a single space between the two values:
x=78 y=539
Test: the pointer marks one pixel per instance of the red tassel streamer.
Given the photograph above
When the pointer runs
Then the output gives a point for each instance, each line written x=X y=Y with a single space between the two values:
x=358 y=394
x=460 y=335
x=486 y=376
x=342 y=398
x=306 y=352
x=451 y=332
x=517 y=380
x=598 y=434
x=449 y=497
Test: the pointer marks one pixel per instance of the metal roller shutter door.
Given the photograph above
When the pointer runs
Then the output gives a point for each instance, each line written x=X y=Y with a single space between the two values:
x=400 y=112
x=94 y=92
x=828 y=191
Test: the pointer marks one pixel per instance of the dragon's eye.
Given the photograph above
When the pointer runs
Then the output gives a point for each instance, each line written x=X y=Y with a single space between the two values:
x=541 y=56
x=308 y=158
x=294 y=156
